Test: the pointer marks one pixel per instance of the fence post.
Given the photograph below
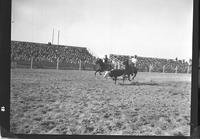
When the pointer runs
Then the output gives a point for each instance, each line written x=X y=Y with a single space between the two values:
x=150 y=67
x=188 y=69
x=57 y=66
x=79 y=64
x=176 y=69
x=31 y=62
x=164 y=69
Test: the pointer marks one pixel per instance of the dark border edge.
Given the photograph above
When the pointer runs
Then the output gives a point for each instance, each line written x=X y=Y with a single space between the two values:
x=195 y=58
x=5 y=37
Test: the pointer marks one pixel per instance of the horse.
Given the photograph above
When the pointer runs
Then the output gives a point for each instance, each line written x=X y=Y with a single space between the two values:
x=129 y=70
x=101 y=66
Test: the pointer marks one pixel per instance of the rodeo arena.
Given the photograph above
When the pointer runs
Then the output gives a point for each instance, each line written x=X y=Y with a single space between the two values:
x=68 y=90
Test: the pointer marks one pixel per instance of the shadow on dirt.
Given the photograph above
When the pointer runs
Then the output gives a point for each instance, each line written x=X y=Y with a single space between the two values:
x=139 y=84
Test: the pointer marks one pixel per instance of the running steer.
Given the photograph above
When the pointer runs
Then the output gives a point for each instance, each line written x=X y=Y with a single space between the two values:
x=115 y=73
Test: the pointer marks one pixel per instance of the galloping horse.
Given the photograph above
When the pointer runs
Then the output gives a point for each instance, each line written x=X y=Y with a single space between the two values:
x=129 y=70
x=101 y=66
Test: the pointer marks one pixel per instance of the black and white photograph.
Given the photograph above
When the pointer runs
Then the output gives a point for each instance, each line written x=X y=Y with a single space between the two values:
x=101 y=67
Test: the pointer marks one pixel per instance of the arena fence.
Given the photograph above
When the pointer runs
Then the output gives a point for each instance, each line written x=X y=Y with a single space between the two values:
x=51 y=65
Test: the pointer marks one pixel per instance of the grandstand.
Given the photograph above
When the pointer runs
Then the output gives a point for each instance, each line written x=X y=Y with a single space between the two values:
x=39 y=55
x=148 y=64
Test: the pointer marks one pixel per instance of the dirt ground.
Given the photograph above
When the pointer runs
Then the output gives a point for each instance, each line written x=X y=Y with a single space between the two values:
x=77 y=102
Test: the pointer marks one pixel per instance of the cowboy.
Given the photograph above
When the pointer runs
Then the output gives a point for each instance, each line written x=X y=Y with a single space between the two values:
x=106 y=59
x=132 y=60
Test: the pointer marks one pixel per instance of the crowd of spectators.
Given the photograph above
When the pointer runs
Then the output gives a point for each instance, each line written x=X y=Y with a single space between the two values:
x=157 y=64
x=50 y=53
x=25 y=51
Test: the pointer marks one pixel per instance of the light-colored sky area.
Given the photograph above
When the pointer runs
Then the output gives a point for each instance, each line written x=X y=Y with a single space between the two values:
x=149 y=28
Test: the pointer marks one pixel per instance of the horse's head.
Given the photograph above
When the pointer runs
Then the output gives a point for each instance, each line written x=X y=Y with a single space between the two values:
x=99 y=61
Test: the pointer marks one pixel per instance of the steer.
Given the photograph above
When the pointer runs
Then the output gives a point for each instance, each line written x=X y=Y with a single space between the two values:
x=114 y=73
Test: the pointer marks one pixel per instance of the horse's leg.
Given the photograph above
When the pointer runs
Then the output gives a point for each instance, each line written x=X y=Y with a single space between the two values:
x=129 y=77
x=95 y=73
x=123 y=79
x=134 y=75
x=115 y=79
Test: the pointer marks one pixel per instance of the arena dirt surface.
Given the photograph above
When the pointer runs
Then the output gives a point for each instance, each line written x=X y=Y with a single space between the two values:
x=77 y=102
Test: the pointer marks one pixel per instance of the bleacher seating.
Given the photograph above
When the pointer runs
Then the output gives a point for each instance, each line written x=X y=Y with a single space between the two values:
x=157 y=64
x=22 y=52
